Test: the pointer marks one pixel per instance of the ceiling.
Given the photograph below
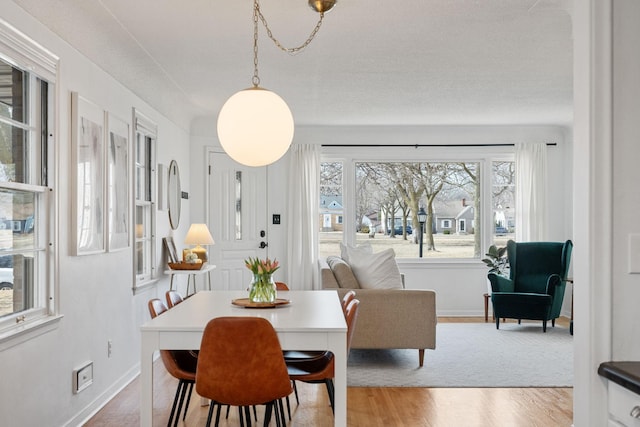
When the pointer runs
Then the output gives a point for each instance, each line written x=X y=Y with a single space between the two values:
x=410 y=62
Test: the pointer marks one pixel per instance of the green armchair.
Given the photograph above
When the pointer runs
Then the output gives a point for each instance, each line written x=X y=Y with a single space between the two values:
x=536 y=283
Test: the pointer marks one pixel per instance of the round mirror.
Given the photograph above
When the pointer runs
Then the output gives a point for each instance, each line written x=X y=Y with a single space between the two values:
x=174 y=196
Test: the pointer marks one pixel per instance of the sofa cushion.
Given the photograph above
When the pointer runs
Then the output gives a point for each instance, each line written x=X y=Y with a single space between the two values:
x=376 y=270
x=347 y=250
x=343 y=273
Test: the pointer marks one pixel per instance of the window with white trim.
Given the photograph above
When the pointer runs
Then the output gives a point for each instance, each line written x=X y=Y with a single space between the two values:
x=27 y=212
x=382 y=199
x=145 y=200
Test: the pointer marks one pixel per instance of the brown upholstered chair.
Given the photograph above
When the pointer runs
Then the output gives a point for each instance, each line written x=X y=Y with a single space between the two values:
x=281 y=286
x=320 y=369
x=241 y=364
x=173 y=298
x=181 y=364
x=346 y=299
x=293 y=355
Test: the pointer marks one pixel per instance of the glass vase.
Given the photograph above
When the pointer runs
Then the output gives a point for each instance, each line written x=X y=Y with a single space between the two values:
x=263 y=288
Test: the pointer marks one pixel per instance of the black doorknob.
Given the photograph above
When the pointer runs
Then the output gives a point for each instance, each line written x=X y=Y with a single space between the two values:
x=263 y=245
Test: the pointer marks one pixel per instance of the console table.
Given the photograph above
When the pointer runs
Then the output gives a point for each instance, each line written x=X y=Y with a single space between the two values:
x=191 y=274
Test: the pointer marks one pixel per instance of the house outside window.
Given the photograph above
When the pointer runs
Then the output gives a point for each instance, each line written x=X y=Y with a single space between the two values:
x=388 y=195
x=145 y=200
x=27 y=213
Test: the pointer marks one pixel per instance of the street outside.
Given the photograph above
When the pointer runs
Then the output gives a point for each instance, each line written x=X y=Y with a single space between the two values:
x=446 y=245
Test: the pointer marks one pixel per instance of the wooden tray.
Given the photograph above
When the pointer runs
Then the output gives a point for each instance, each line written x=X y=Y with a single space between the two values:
x=246 y=303
x=185 y=266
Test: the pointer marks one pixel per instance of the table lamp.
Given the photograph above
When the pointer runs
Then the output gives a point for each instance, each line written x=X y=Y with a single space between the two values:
x=198 y=235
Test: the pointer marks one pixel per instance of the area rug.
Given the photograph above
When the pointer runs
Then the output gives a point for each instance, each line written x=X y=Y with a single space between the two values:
x=473 y=355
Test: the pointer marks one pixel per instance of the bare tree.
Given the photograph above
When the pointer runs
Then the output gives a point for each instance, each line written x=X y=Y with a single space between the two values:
x=465 y=176
x=331 y=179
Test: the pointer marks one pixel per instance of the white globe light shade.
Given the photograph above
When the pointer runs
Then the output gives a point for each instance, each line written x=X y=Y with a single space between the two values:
x=255 y=127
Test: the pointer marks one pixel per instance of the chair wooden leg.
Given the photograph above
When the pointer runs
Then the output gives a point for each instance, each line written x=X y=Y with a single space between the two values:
x=183 y=394
x=553 y=323
x=497 y=322
x=211 y=405
x=278 y=408
x=186 y=408
x=218 y=414
x=267 y=414
x=295 y=390
x=329 y=383
x=421 y=357
x=486 y=307
x=175 y=404
x=544 y=326
x=289 y=408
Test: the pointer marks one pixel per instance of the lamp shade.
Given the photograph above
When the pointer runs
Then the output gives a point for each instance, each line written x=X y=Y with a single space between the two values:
x=198 y=234
x=255 y=127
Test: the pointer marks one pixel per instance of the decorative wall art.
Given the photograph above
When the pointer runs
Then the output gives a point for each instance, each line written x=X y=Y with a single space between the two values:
x=88 y=154
x=170 y=247
x=118 y=183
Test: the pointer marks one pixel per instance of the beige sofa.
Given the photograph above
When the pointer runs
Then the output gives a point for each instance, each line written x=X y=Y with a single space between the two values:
x=387 y=318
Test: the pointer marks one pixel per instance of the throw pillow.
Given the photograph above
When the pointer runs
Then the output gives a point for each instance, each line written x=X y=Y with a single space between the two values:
x=343 y=273
x=376 y=271
x=346 y=250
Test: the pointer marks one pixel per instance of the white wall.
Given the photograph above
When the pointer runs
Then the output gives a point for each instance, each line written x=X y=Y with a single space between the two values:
x=95 y=294
x=626 y=161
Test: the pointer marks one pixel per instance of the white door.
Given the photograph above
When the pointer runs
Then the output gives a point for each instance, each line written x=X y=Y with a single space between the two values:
x=237 y=219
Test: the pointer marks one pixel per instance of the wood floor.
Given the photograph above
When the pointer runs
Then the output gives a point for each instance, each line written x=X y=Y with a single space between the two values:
x=372 y=406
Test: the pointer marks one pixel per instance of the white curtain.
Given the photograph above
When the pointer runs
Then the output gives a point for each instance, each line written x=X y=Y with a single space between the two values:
x=531 y=189
x=302 y=217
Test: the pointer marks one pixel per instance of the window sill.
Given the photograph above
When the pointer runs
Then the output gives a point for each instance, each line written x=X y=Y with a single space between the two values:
x=28 y=331
x=441 y=263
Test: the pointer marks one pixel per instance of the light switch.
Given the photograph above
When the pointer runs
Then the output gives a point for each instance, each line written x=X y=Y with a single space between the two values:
x=634 y=253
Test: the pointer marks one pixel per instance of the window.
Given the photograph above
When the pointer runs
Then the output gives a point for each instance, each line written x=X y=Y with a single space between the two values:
x=503 y=196
x=387 y=196
x=330 y=208
x=145 y=233
x=27 y=212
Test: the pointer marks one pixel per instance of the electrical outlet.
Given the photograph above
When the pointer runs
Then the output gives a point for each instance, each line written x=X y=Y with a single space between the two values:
x=83 y=377
x=109 y=348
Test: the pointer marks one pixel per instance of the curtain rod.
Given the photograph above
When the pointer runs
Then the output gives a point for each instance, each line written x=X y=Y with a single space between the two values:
x=427 y=145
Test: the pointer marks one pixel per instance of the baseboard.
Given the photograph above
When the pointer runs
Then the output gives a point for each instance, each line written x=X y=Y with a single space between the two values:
x=100 y=401
x=461 y=313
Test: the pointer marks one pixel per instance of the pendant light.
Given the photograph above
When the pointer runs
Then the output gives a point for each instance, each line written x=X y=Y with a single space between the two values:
x=255 y=125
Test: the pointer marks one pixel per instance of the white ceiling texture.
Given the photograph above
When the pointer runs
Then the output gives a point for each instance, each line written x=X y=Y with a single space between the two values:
x=404 y=62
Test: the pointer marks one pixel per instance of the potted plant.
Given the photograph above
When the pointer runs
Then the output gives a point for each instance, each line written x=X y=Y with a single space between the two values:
x=496 y=260
x=498 y=263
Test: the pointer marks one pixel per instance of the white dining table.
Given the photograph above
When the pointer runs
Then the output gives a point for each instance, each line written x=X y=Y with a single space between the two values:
x=312 y=320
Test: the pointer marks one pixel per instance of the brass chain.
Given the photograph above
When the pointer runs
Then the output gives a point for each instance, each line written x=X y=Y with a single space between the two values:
x=291 y=50
x=256 y=11
x=257 y=16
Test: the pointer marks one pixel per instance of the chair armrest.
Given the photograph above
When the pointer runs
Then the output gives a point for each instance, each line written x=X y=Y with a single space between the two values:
x=552 y=283
x=500 y=283
x=327 y=278
x=395 y=318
